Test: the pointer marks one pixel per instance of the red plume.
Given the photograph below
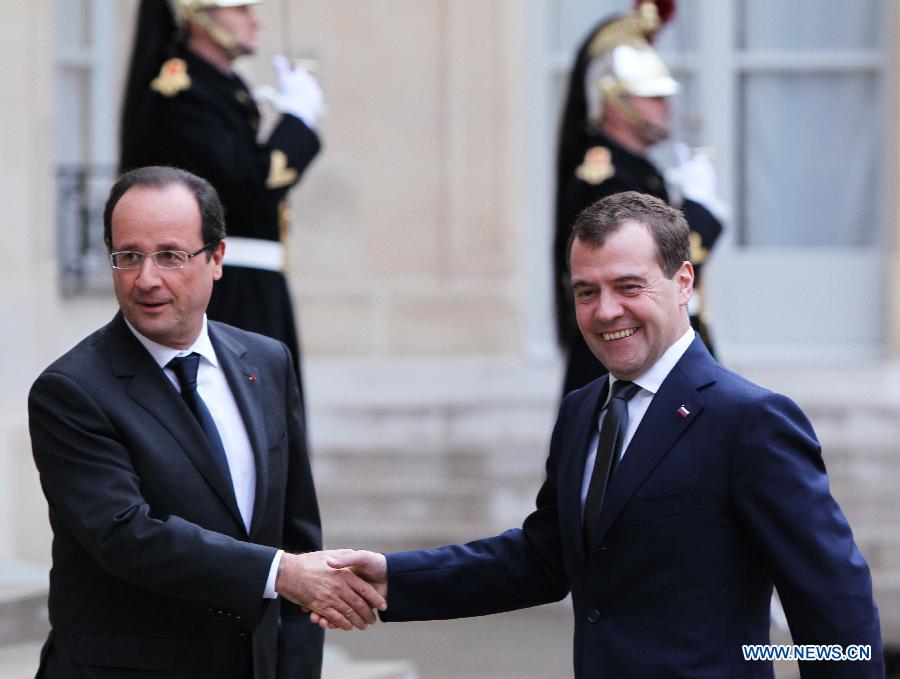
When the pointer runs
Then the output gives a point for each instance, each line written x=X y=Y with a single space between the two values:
x=665 y=9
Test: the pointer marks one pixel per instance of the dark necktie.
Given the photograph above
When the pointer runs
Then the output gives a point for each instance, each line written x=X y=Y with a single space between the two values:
x=609 y=448
x=185 y=368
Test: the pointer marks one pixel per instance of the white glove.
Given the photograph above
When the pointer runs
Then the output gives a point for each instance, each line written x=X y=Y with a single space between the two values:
x=696 y=178
x=298 y=92
x=696 y=174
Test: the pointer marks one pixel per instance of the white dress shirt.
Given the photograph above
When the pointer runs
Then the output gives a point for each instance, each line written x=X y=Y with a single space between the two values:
x=213 y=388
x=649 y=384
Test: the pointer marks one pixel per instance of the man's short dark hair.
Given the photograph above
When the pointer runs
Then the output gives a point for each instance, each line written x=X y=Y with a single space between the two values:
x=666 y=224
x=212 y=215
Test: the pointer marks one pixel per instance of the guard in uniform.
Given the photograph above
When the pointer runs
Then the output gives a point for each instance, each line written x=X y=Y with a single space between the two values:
x=616 y=109
x=185 y=106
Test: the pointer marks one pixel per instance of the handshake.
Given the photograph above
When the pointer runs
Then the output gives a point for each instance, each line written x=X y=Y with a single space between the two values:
x=340 y=588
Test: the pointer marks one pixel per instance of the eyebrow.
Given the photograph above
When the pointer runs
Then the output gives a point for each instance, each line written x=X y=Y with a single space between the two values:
x=627 y=278
x=132 y=247
x=630 y=278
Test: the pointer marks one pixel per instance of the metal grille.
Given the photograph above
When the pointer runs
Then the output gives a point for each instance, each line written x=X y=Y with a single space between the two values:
x=80 y=196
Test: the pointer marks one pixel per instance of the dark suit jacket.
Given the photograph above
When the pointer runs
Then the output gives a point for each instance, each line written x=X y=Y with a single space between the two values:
x=154 y=574
x=703 y=514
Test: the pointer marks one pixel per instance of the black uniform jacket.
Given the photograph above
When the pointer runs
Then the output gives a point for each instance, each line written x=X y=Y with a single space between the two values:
x=205 y=121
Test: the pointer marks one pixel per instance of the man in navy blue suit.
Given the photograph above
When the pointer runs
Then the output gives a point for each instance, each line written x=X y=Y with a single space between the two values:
x=717 y=492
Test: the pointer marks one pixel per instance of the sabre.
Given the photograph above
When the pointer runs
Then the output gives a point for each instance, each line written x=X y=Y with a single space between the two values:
x=287 y=42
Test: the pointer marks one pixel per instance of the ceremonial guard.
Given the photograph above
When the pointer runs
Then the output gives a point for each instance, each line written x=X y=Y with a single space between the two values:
x=185 y=106
x=617 y=108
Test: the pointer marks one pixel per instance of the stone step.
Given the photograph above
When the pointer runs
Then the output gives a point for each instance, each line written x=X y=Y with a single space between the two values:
x=502 y=466
x=376 y=464
x=880 y=547
x=24 y=618
x=389 y=484
x=384 y=669
x=470 y=485
x=23 y=602
x=857 y=430
x=19 y=660
x=337 y=664
x=394 y=534
x=887 y=595
x=420 y=503
x=432 y=420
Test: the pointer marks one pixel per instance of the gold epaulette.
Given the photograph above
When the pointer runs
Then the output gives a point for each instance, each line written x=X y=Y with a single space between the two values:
x=172 y=79
x=698 y=252
x=280 y=175
x=597 y=166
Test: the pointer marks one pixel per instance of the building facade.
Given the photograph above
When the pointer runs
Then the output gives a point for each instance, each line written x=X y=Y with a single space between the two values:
x=423 y=232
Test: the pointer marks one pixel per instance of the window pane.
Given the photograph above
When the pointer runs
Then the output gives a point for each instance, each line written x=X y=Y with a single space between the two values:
x=570 y=21
x=574 y=18
x=687 y=122
x=809 y=24
x=72 y=129
x=811 y=160
x=72 y=19
x=680 y=33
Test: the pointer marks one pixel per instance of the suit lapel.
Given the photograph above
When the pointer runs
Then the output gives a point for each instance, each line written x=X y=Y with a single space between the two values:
x=672 y=411
x=152 y=390
x=241 y=374
x=571 y=473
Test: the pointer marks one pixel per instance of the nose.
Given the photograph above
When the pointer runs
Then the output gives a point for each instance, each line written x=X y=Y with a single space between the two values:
x=608 y=308
x=148 y=275
x=252 y=17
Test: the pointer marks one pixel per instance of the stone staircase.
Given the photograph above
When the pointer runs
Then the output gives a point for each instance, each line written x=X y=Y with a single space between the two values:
x=434 y=453
x=23 y=618
x=855 y=410
x=23 y=598
x=424 y=453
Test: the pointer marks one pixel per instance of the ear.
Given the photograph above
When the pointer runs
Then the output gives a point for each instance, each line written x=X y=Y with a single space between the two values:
x=684 y=279
x=217 y=256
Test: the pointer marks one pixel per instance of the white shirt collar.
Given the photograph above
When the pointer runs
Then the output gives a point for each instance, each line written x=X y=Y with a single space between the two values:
x=162 y=354
x=652 y=379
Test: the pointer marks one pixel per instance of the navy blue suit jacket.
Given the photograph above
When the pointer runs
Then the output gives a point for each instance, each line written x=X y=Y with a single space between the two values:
x=704 y=513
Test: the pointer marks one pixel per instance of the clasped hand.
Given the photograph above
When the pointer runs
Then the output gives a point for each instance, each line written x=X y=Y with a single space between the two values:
x=340 y=588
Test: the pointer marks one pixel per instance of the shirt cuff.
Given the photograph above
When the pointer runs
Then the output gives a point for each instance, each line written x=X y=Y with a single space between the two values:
x=270 y=592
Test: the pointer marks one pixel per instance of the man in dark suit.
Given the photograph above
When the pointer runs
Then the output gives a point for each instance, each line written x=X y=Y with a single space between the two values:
x=171 y=453
x=670 y=509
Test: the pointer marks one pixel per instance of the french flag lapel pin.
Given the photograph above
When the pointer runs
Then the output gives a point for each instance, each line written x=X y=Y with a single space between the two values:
x=684 y=412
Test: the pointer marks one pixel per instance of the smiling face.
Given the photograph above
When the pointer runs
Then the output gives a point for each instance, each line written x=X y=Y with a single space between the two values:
x=627 y=310
x=166 y=306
